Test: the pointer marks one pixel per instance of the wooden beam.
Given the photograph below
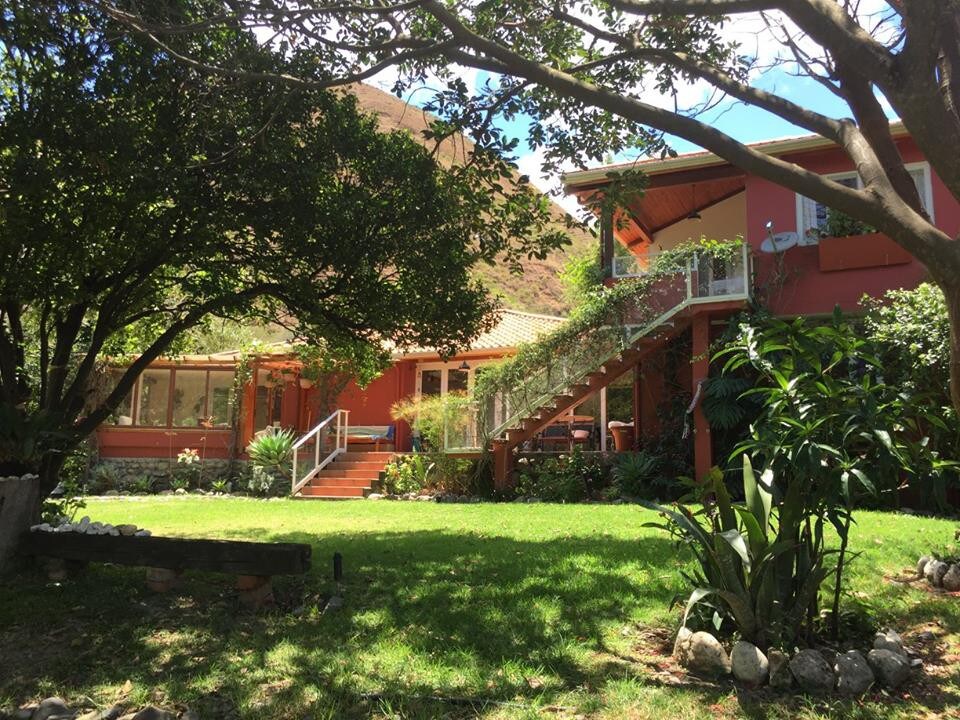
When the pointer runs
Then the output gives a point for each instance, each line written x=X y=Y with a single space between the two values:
x=226 y=556
x=704 y=206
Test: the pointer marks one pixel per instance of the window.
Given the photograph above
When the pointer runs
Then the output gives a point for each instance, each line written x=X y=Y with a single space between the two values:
x=190 y=398
x=154 y=398
x=220 y=398
x=123 y=414
x=811 y=214
x=268 y=402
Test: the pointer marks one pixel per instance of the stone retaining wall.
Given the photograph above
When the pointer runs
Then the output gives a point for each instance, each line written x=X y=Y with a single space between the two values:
x=122 y=473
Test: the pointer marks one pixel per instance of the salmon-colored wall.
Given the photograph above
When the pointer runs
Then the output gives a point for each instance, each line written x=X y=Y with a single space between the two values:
x=117 y=442
x=806 y=289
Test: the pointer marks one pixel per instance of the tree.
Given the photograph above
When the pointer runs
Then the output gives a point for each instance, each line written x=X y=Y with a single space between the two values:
x=140 y=197
x=579 y=70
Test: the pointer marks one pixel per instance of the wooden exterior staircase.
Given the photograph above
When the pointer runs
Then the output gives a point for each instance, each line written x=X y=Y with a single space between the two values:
x=350 y=475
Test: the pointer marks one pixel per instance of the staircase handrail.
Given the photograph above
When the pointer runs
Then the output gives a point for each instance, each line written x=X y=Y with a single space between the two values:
x=342 y=418
x=630 y=340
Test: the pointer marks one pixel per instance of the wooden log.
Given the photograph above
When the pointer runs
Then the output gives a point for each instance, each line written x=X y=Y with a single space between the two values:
x=226 y=556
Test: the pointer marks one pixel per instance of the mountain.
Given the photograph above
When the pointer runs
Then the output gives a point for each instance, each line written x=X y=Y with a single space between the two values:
x=538 y=290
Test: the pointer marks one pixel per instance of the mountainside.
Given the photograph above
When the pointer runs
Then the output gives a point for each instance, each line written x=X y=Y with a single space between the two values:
x=538 y=289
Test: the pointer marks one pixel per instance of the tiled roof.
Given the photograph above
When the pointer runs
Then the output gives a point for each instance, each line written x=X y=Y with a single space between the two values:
x=515 y=328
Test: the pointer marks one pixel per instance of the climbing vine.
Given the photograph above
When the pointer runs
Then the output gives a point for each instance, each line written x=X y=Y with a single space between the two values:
x=598 y=327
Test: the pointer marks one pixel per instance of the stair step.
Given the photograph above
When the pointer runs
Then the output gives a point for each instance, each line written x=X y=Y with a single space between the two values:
x=337 y=481
x=357 y=465
x=331 y=471
x=335 y=492
x=365 y=455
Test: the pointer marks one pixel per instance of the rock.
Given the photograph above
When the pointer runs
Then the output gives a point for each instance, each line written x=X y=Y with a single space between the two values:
x=926 y=637
x=24 y=713
x=891 y=669
x=749 y=664
x=179 y=491
x=127 y=530
x=113 y=532
x=951 y=579
x=142 y=533
x=706 y=655
x=889 y=640
x=922 y=564
x=934 y=572
x=111 y=713
x=333 y=604
x=189 y=714
x=854 y=676
x=812 y=672
x=681 y=646
x=150 y=713
x=51 y=707
x=374 y=496
x=779 y=670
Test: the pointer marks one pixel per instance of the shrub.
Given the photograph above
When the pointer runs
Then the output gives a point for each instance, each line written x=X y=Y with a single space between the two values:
x=635 y=473
x=103 y=477
x=142 y=485
x=180 y=483
x=221 y=487
x=561 y=478
x=408 y=474
x=270 y=455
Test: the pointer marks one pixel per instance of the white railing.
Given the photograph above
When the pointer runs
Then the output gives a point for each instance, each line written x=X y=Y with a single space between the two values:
x=706 y=279
x=318 y=448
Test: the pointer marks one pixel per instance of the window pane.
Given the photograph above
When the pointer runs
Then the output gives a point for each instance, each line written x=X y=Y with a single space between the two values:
x=154 y=398
x=123 y=414
x=220 y=405
x=430 y=382
x=920 y=180
x=457 y=380
x=260 y=408
x=190 y=398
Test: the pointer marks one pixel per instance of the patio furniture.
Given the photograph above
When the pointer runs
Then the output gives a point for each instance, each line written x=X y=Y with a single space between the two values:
x=557 y=434
x=581 y=434
x=622 y=435
x=375 y=435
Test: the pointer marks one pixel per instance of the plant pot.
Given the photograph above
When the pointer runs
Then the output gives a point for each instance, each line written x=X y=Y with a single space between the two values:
x=306 y=384
x=622 y=437
x=288 y=377
x=860 y=251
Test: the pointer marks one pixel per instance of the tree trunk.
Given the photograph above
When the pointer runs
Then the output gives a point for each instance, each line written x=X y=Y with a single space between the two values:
x=19 y=507
x=951 y=292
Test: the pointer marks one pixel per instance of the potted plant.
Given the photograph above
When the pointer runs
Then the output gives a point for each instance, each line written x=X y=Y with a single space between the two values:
x=848 y=244
x=273 y=379
x=288 y=375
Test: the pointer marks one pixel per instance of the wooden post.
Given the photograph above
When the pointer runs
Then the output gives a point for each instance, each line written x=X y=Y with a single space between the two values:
x=637 y=405
x=19 y=501
x=502 y=465
x=606 y=244
x=702 y=442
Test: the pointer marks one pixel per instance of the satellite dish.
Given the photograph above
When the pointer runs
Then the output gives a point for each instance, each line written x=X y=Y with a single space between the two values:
x=809 y=238
x=779 y=242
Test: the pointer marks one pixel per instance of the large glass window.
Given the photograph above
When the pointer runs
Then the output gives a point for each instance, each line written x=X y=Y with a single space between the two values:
x=190 y=398
x=220 y=402
x=154 y=398
x=123 y=414
x=457 y=381
x=430 y=382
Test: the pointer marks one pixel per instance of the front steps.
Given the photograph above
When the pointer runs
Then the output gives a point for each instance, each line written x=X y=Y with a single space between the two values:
x=352 y=474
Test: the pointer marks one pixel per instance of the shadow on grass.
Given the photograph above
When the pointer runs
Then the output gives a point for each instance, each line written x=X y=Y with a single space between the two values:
x=485 y=622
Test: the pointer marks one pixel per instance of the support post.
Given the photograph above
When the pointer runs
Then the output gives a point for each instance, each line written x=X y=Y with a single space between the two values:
x=702 y=442
x=637 y=405
x=502 y=465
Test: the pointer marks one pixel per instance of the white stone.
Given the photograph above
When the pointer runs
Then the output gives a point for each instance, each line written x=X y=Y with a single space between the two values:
x=922 y=564
x=854 y=676
x=779 y=670
x=113 y=532
x=707 y=656
x=749 y=664
x=142 y=533
x=891 y=669
x=50 y=707
x=934 y=572
x=681 y=646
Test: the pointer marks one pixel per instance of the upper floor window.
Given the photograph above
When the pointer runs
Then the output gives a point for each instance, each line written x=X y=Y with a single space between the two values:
x=813 y=215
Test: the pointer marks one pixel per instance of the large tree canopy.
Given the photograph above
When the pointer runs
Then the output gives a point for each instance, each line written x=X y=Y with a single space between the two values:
x=582 y=69
x=140 y=195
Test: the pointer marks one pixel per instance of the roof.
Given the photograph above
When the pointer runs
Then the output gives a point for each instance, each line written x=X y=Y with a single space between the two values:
x=513 y=328
x=703 y=158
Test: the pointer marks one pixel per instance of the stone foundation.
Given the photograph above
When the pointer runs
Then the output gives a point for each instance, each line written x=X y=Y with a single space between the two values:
x=123 y=474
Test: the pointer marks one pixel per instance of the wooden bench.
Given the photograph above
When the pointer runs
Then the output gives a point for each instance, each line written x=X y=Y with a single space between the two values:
x=371 y=435
x=254 y=563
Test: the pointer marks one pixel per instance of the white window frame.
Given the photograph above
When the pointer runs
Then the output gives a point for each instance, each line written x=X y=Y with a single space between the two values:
x=926 y=195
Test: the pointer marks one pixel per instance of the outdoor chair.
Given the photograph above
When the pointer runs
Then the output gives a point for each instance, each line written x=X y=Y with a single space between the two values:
x=557 y=435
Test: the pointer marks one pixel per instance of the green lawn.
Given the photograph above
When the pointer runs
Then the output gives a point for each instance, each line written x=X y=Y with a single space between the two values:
x=549 y=610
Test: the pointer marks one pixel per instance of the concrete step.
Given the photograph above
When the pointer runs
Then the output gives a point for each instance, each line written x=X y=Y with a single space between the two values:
x=335 y=481
x=365 y=456
x=335 y=491
x=343 y=472
x=375 y=466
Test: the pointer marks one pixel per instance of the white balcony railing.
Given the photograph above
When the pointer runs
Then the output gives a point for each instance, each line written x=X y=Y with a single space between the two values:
x=318 y=448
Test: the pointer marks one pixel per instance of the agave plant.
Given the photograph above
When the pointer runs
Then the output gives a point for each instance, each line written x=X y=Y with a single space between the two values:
x=272 y=451
x=760 y=565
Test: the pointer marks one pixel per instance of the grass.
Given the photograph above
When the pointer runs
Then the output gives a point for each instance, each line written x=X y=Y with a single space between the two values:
x=505 y=611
